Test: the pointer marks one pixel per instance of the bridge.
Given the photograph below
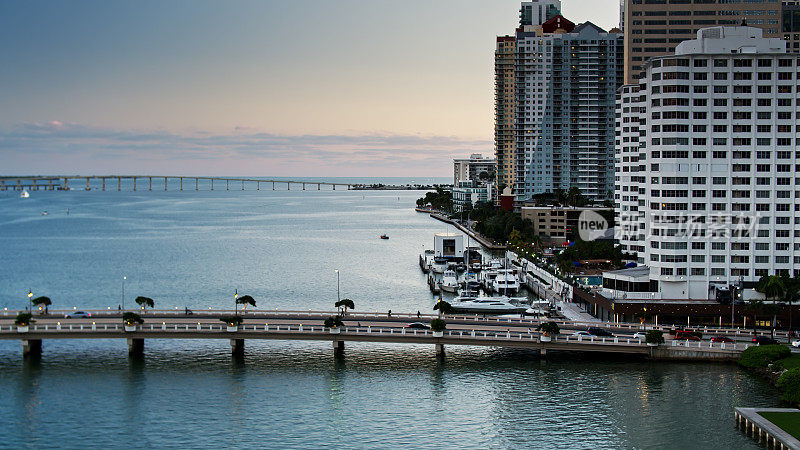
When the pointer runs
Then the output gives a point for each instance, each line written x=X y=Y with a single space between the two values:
x=359 y=327
x=145 y=182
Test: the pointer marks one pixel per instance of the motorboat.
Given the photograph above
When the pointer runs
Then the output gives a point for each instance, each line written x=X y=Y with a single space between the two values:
x=471 y=282
x=425 y=261
x=24 y=194
x=505 y=282
x=449 y=281
x=486 y=305
x=439 y=265
x=383 y=236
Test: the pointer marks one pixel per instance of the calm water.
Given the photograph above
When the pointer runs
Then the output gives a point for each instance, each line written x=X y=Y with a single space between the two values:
x=194 y=248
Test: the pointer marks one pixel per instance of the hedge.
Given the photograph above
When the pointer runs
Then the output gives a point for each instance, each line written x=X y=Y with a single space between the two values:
x=790 y=383
x=762 y=355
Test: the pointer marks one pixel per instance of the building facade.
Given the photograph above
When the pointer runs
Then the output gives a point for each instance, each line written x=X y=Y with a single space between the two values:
x=655 y=27
x=475 y=168
x=706 y=194
x=565 y=80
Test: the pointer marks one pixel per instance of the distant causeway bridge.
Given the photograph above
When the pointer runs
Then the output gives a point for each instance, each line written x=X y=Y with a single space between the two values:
x=162 y=182
x=359 y=327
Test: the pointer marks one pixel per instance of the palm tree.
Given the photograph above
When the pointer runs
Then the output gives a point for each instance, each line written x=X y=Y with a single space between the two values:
x=753 y=308
x=772 y=286
x=144 y=302
x=443 y=307
x=246 y=300
x=343 y=304
x=42 y=301
x=791 y=295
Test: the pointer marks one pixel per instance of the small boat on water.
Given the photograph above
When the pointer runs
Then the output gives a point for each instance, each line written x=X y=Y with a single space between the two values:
x=449 y=281
x=44 y=213
x=24 y=194
x=383 y=236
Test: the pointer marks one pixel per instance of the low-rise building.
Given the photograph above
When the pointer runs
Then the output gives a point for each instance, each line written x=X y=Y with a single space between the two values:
x=558 y=222
x=466 y=194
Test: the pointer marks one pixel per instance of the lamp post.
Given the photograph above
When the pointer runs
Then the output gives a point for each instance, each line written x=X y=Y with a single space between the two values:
x=30 y=302
x=123 y=293
x=337 y=284
x=235 y=298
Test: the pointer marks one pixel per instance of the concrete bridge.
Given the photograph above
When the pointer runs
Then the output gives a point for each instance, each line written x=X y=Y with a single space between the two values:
x=359 y=327
x=145 y=182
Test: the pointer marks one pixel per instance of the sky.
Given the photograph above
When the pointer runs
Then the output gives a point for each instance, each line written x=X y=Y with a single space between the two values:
x=252 y=88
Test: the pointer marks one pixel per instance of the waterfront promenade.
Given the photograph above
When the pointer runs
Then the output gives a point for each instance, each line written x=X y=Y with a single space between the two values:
x=359 y=327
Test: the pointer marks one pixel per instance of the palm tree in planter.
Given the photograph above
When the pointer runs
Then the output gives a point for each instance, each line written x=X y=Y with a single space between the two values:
x=443 y=307
x=42 y=302
x=232 y=322
x=246 y=300
x=343 y=304
x=144 y=302
x=654 y=337
x=438 y=326
x=548 y=330
x=22 y=321
x=130 y=320
x=334 y=324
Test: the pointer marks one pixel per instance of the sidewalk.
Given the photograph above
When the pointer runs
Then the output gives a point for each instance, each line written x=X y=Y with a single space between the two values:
x=573 y=312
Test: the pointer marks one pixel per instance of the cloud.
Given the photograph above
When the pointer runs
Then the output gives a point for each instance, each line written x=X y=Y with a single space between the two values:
x=56 y=147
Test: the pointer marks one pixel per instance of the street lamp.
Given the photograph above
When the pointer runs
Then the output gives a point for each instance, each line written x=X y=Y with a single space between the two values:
x=30 y=302
x=337 y=284
x=123 y=292
x=235 y=298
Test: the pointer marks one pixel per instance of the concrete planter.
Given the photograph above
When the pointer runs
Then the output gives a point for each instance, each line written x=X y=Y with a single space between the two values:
x=232 y=329
x=438 y=334
x=335 y=330
x=130 y=328
x=651 y=344
x=22 y=329
x=545 y=339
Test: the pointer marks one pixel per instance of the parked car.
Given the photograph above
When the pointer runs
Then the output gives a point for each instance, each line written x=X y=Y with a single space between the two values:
x=77 y=315
x=796 y=343
x=419 y=325
x=600 y=332
x=721 y=339
x=764 y=340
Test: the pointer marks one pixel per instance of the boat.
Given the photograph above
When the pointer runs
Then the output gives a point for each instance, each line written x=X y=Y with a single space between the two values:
x=24 y=194
x=471 y=282
x=44 y=213
x=486 y=305
x=505 y=282
x=449 y=281
x=439 y=264
x=425 y=261
x=383 y=236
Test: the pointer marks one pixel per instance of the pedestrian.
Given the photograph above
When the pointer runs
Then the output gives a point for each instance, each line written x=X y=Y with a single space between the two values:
x=390 y=313
x=119 y=307
x=417 y=314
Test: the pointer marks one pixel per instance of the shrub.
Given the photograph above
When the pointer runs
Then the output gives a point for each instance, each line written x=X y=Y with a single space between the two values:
x=438 y=325
x=333 y=322
x=762 y=355
x=23 y=319
x=549 y=328
x=654 y=337
x=232 y=321
x=790 y=383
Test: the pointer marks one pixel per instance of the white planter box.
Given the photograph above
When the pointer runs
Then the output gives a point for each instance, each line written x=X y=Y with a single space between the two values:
x=233 y=329
x=22 y=329
x=130 y=327
x=438 y=334
x=545 y=339
x=335 y=330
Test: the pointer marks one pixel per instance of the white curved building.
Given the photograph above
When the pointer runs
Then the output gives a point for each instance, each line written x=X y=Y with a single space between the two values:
x=705 y=162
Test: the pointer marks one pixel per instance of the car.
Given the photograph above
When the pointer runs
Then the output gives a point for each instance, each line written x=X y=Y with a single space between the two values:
x=419 y=325
x=796 y=343
x=581 y=333
x=721 y=339
x=764 y=340
x=77 y=315
x=639 y=335
x=686 y=335
x=600 y=332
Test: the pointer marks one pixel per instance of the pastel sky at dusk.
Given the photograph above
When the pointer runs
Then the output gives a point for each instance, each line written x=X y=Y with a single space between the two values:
x=255 y=88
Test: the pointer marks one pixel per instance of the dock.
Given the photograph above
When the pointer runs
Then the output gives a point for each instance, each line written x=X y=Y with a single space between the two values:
x=753 y=424
x=482 y=240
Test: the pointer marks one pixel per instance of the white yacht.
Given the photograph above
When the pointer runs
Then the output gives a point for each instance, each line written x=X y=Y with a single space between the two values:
x=449 y=281
x=486 y=305
x=439 y=265
x=24 y=194
x=471 y=282
x=505 y=282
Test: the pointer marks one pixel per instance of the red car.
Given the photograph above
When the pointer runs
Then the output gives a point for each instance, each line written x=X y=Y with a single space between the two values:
x=683 y=335
x=721 y=339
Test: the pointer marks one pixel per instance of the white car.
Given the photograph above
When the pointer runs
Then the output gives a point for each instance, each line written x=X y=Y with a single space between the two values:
x=796 y=343
x=639 y=335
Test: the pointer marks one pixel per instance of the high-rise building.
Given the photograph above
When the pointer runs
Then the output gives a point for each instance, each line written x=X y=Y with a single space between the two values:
x=565 y=80
x=473 y=169
x=790 y=25
x=706 y=159
x=655 y=27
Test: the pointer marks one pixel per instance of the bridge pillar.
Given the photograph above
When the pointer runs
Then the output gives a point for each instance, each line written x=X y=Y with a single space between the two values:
x=258 y=185
x=212 y=184
x=288 y=186
x=87 y=183
x=273 y=185
x=196 y=183
x=2 y=185
x=318 y=186
x=242 y=184
x=181 y=183
x=439 y=349
x=338 y=348
x=135 y=347
x=165 y=183
x=237 y=347
x=104 y=183
x=134 y=184
x=119 y=183
x=227 y=185
x=304 y=186
x=31 y=347
x=151 y=183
